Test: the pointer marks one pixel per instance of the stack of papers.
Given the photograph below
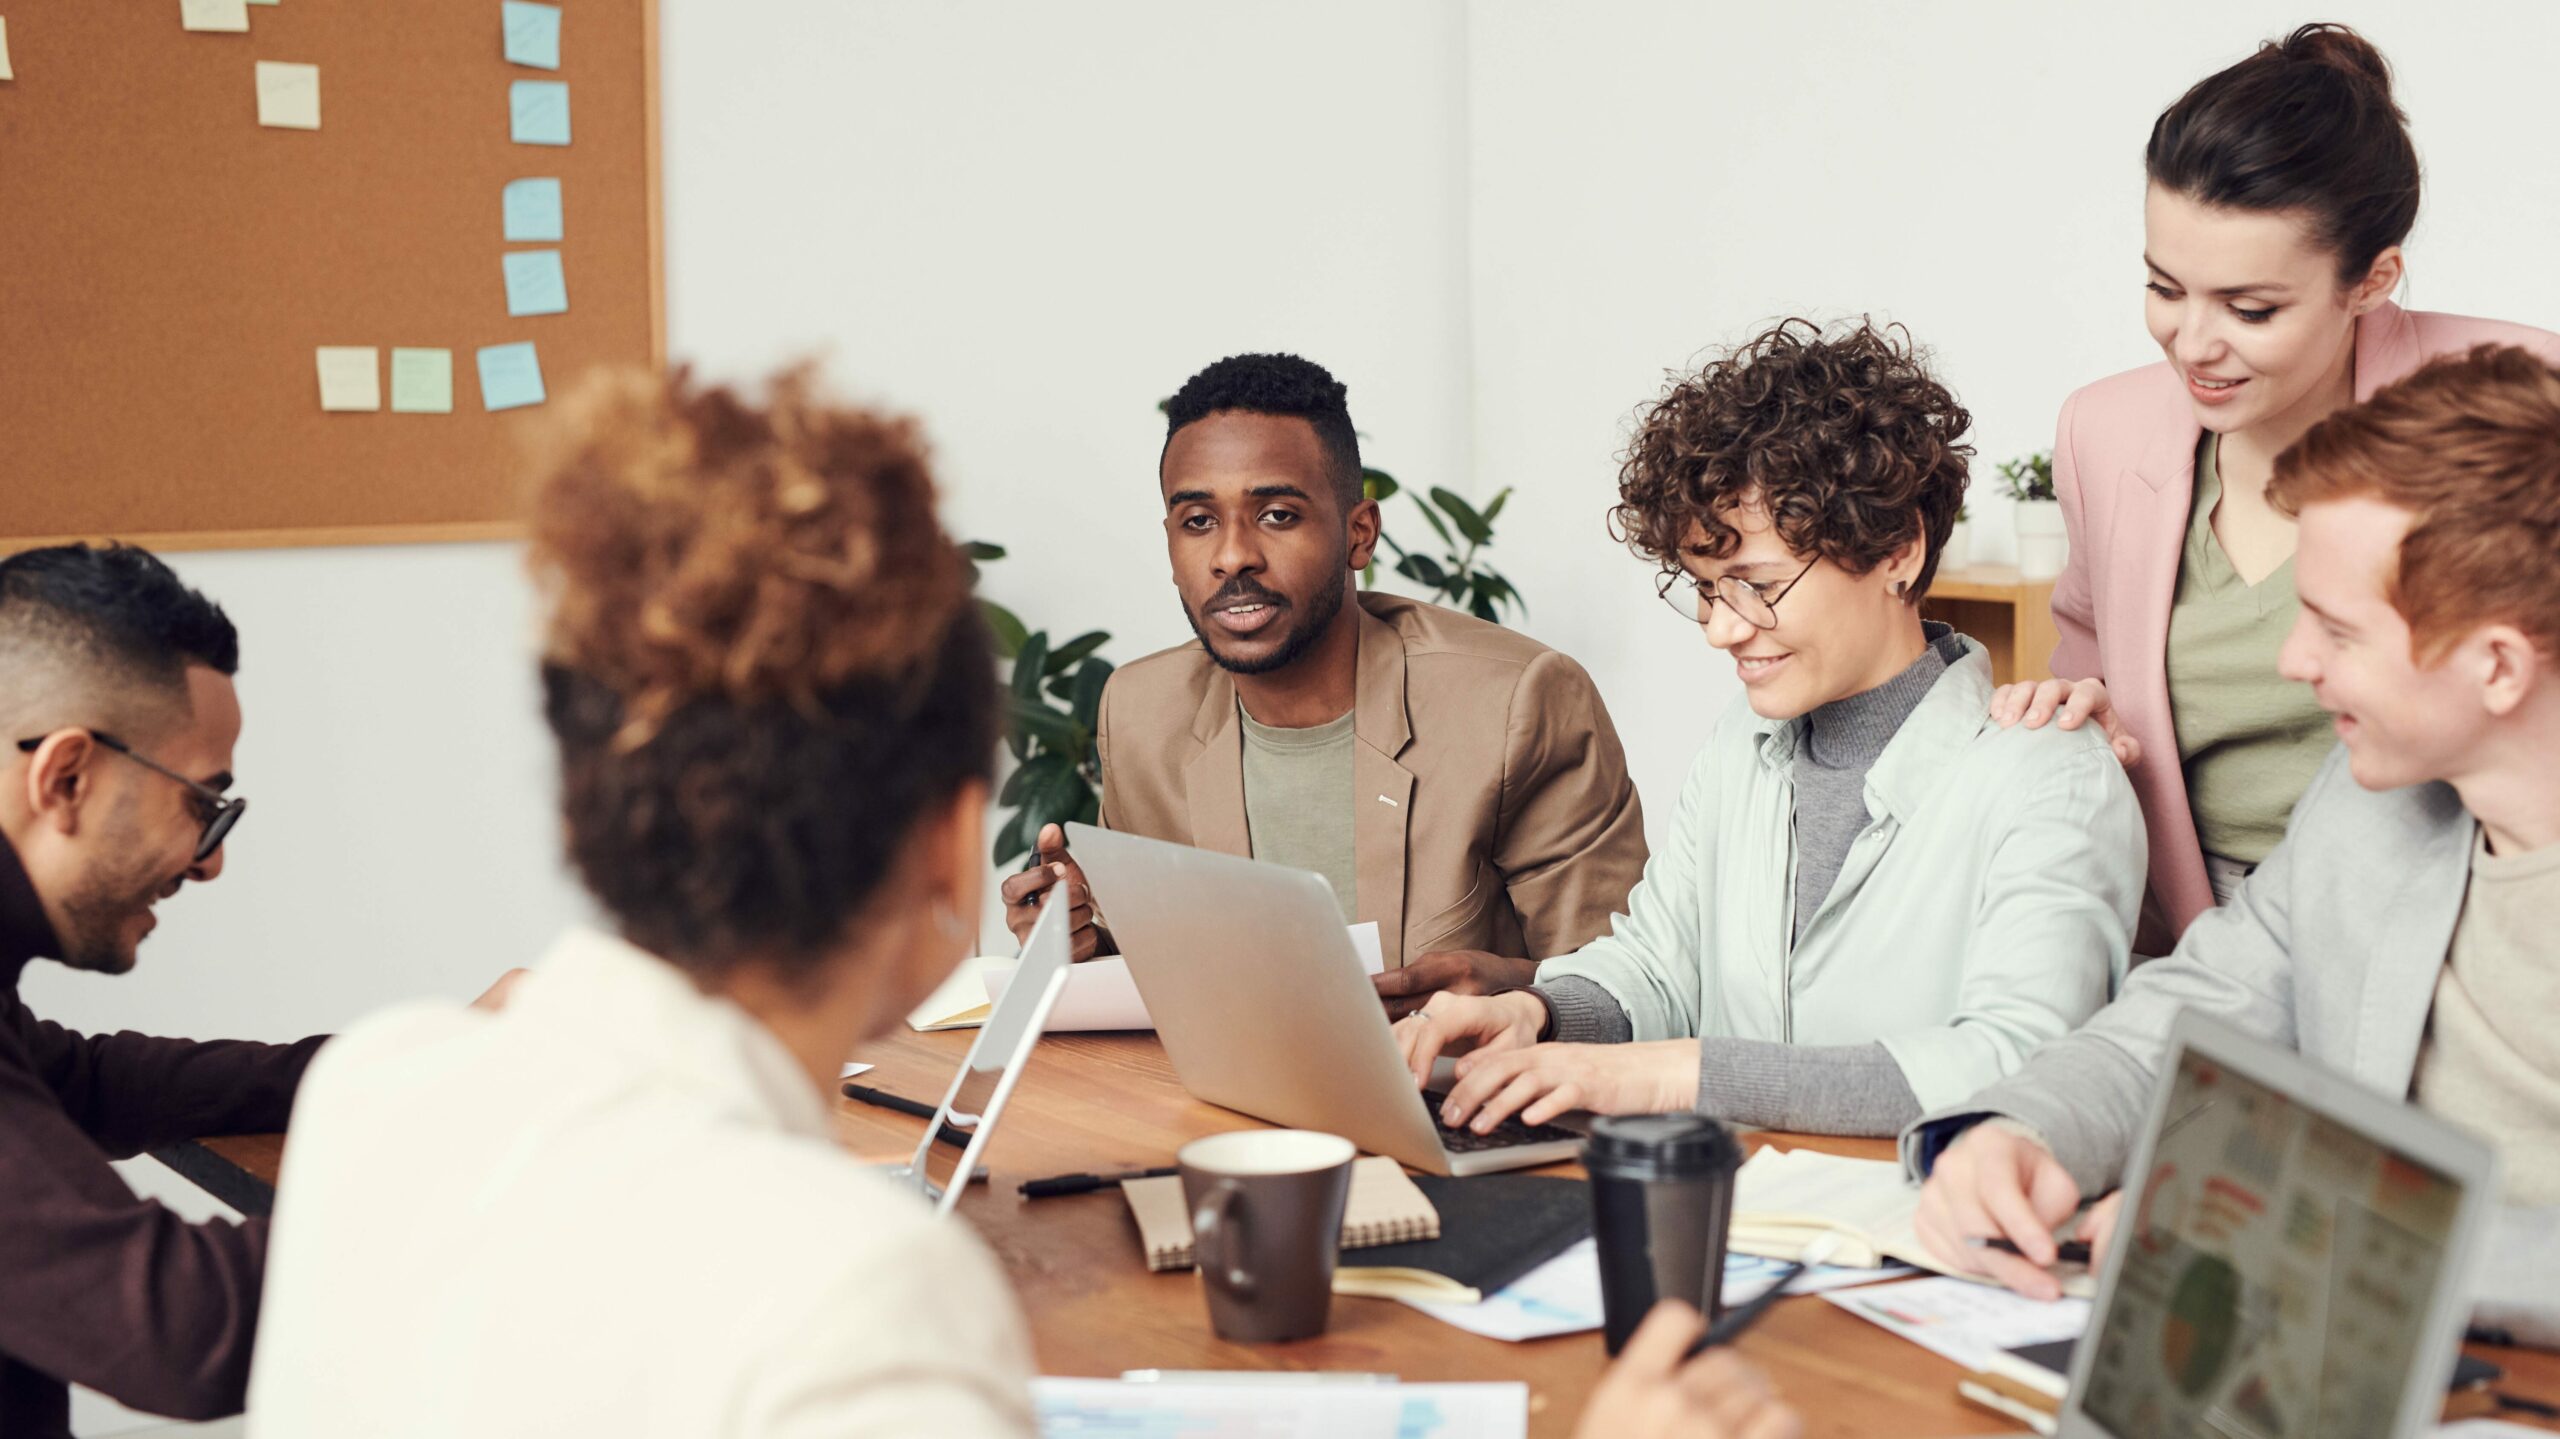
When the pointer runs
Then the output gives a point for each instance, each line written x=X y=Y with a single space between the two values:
x=1786 y=1199
x=1966 y=1322
x=1562 y=1296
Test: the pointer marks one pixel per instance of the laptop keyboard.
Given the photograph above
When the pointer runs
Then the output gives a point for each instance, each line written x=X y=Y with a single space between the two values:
x=1462 y=1140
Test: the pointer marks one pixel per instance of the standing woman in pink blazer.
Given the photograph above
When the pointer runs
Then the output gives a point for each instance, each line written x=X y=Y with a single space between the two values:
x=2280 y=192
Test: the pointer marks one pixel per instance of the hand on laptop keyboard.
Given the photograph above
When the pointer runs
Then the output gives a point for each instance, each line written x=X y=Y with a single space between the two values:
x=1458 y=1139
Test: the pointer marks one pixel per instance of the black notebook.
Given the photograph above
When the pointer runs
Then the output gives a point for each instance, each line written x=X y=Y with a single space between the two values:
x=1493 y=1229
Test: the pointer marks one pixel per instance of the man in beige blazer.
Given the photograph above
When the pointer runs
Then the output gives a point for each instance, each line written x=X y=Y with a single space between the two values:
x=1457 y=782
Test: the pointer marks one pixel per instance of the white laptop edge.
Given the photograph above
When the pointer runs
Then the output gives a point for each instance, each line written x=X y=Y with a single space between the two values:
x=1013 y=1025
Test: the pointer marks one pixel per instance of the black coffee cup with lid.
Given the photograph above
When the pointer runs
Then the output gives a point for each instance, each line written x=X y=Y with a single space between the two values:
x=1661 y=1205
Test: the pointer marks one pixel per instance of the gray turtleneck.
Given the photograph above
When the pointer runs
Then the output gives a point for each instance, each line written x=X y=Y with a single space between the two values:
x=1814 y=1089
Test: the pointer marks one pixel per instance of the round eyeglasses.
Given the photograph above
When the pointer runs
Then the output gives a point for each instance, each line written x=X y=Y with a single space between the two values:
x=1694 y=599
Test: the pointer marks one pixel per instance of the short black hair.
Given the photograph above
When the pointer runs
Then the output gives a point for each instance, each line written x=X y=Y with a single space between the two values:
x=122 y=604
x=1276 y=385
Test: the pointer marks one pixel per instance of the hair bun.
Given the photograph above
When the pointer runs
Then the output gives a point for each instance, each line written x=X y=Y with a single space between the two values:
x=696 y=545
x=2339 y=47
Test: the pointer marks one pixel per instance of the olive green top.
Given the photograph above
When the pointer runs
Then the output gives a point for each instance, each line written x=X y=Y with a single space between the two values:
x=1297 y=800
x=2249 y=739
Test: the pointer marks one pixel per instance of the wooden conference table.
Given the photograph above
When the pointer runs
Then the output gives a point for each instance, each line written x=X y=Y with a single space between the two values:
x=1096 y=1103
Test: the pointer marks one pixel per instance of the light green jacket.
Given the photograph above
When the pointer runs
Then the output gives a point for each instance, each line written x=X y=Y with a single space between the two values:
x=1988 y=908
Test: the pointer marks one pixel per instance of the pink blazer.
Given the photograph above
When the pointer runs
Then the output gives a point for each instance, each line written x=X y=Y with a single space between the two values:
x=2124 y=467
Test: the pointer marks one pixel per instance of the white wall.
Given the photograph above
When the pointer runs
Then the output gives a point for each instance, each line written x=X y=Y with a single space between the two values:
x=1029 y=223
x=1499 y=222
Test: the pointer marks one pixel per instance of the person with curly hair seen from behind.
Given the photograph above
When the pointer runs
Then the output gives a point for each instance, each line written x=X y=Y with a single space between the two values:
x=620 y=1207
x=1871 y=898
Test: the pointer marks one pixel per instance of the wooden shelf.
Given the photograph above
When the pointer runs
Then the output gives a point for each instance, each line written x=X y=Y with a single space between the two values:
x=2012 y=616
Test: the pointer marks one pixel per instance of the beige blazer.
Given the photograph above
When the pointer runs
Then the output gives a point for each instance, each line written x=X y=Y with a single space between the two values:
x=1494 y=808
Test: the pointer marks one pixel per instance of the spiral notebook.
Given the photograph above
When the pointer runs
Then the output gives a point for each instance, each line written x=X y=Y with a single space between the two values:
x=1384 y=1208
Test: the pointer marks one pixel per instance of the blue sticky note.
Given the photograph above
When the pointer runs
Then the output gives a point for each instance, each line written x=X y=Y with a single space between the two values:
x=510 y=377
x=533 y=210
x=536 y=285
x=533 y=35
x=538 y=112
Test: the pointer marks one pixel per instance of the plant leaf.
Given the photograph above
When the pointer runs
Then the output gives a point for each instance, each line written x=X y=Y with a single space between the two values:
x=1378 y=485
x=981 y=550
x=1009 y=844
x=1064 y=657
x=1493 y=511
x=1086 y=702
x=1437 y=526
x=1463 y=515
x=1482 y=609
x=1029 y=665
x=1005 y=627
x=1047 y=727
x=1054 y=798
x=1422 y=570
x=1019 y=783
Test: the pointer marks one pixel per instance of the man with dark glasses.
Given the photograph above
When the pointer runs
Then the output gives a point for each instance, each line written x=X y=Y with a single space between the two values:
x=117 y=720
x=1868 y=898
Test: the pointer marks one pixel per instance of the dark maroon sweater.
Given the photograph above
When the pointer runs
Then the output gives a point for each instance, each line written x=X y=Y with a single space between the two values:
x=98 y=1287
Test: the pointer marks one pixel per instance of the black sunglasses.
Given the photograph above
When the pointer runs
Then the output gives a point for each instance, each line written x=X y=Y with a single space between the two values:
x=221 y=811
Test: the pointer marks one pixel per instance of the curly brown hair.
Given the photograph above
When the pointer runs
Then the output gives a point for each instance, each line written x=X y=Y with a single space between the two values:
x=1846 y=439
x=761 y=660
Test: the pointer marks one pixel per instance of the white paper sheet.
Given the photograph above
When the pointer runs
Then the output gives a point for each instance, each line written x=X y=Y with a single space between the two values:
x=1101 y=995
x=1284 y=1407
x=1961 y=1321
x=1562 y=1296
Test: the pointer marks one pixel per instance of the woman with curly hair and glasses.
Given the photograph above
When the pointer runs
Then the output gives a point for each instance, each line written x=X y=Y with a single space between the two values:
x=1871 y=899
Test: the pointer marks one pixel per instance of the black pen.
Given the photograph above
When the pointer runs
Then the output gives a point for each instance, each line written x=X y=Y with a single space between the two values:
x=1731 y=1326
x=2068 y=1251
x=883 y=1099
x=1058 y=1184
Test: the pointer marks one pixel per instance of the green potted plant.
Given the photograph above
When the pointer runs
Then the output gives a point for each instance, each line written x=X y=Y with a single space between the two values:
x=1053 y=700
x=1457 y=577
x=2042 y=544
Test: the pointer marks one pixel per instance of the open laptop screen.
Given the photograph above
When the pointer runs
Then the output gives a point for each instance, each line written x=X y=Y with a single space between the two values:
x=2278 y=1274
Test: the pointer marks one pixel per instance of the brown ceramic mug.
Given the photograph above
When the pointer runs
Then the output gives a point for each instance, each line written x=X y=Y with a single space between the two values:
x=1266 y=1226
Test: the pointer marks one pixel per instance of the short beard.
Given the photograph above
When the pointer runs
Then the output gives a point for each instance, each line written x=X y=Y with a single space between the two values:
x=94 y=917
x=1310 y=626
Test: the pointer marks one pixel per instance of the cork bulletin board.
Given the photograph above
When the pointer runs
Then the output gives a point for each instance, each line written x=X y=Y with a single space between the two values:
x=172 y=268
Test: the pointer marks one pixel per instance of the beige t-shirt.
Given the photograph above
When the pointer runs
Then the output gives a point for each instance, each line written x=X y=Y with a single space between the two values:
x=2491 y=1058
x=1297 y=800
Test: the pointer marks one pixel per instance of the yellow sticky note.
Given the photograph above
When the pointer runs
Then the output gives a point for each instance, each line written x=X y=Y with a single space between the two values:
x=230 y=16
x=5 y=72
x=422 y=382
x=350 y=377
x=288 y=95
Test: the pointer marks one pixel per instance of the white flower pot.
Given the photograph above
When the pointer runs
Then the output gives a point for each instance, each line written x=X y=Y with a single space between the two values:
x=1959 y=548
x=2042 y=544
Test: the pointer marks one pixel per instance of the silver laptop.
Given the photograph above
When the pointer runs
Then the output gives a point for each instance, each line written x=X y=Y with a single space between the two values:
x=1263 y=1006
x=986 y=1079
x=2292 y=1259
